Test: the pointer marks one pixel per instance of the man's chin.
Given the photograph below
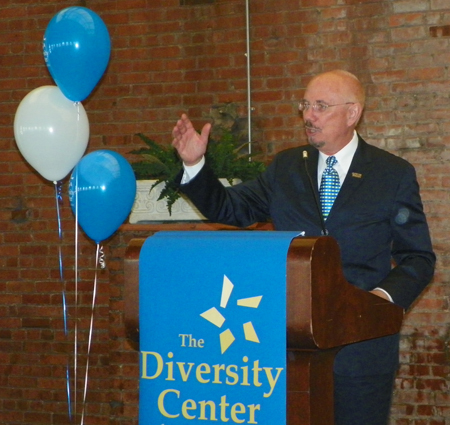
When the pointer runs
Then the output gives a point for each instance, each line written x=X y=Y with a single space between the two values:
x=316 y=144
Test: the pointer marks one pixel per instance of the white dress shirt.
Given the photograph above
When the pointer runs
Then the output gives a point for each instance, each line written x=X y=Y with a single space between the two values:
x=344 y=158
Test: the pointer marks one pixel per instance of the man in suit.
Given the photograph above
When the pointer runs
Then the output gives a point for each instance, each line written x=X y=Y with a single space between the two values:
x=377 y=218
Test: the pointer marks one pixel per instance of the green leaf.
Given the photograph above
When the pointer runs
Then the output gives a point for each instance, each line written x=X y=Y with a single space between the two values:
x=162 y=163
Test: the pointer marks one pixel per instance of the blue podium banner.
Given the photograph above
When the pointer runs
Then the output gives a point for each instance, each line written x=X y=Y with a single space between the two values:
x=213 y=328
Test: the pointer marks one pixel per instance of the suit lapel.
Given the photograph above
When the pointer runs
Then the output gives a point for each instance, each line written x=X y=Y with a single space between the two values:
x=309 y=177
x=311 y=163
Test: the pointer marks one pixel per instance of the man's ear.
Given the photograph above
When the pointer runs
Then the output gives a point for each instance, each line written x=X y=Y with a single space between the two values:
x=354 y=114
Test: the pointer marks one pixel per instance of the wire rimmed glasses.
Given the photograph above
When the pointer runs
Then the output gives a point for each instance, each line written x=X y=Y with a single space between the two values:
x=319 y=106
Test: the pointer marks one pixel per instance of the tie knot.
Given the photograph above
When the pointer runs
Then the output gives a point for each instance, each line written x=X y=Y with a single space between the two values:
x=331 y=161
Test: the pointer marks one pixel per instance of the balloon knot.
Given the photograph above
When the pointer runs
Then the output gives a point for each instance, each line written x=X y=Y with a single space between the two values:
x=101 y=259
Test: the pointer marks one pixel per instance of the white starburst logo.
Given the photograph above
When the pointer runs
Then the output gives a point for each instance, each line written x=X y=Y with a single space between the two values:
x=215 y=317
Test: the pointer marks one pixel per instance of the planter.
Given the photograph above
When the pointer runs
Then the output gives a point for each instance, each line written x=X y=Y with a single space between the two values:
x=147 y=208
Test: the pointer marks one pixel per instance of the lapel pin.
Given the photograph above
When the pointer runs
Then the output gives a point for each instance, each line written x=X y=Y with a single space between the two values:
x=357 y=175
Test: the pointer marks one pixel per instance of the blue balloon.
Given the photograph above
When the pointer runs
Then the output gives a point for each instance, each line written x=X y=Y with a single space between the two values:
x=106 y=188
x=76 y=51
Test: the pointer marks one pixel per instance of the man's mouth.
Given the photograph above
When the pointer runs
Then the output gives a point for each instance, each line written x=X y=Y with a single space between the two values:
x=311 y=129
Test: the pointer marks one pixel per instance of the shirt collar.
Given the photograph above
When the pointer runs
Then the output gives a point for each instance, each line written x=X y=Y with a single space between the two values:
x=344 y=157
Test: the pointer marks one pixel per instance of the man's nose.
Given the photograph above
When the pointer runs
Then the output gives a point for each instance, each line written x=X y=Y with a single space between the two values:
x=309 y=114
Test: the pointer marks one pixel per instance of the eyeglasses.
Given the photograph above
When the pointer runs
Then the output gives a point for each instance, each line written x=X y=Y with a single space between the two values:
x=318 y=106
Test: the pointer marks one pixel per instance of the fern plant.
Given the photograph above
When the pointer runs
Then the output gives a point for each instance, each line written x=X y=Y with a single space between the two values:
x=163 y=164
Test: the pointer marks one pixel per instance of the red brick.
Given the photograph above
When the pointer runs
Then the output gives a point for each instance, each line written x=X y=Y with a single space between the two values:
x=166 y=59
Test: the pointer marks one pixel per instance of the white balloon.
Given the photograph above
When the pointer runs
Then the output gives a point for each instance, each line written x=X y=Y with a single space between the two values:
x=51 y=132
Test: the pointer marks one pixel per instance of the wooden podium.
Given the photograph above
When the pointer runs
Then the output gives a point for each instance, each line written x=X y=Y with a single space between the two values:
x=324 y=312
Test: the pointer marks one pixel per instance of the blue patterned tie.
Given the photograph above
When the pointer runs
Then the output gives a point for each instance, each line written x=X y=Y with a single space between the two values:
x=329 y=187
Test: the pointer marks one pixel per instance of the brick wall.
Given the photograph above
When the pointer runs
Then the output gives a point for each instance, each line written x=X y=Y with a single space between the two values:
x=168 y=58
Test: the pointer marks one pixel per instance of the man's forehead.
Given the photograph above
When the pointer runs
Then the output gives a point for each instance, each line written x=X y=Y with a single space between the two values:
x=325 y=89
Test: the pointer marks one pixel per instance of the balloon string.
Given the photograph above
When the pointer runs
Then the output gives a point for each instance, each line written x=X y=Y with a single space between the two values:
x=91 y=329
x=75 y=349
x=58 y=199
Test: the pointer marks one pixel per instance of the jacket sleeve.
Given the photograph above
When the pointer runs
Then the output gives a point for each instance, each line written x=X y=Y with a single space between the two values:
x=411 y=247
x=240 y=205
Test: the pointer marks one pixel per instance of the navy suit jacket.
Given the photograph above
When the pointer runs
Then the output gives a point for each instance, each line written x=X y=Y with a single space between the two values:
x=377 y=219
